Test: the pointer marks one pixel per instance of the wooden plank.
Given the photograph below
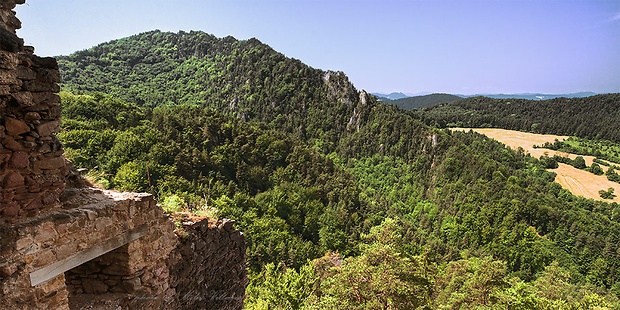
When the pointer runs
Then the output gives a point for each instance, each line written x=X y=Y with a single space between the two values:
x=55 y=269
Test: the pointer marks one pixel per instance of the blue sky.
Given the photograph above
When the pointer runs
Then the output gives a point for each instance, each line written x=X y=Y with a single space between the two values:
x=461 y=47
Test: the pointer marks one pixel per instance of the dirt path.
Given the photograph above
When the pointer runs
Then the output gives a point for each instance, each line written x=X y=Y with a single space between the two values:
x=577 y=181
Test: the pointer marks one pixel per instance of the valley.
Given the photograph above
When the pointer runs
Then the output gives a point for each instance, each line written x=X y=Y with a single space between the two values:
x=243 y=163
x=315 y=171
x=579 y=182
x=344 y=202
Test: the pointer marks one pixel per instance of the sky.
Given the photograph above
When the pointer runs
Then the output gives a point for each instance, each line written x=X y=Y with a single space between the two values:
x=459 y=47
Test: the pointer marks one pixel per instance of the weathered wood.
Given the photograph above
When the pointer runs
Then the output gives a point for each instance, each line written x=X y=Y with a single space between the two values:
x=55 y=269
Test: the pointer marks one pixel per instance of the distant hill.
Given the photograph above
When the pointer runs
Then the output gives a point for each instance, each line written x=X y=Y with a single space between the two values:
x=391 y=96
x=535 y=96
x=591 y=117
x=418 y=102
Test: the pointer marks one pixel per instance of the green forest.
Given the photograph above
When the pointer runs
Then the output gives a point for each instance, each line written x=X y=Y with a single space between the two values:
x=345 y=202
x=593 y=117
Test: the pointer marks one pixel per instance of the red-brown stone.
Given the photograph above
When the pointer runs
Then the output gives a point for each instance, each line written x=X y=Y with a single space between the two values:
x=15 y=127
x=49 y=198
x=11 y=144
x=51 y=163
x=93 y=286
x=13 y=179
x=35 y=204
x=48 y=128
x=46 y=98
x=25 y=73
x=11 y=210
x=8 y=271
x=19 y=160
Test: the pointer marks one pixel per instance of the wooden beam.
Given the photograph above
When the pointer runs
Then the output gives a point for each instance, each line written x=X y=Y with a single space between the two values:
x=55 y=269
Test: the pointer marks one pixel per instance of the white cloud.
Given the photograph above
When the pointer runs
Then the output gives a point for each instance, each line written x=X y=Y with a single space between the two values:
x=615 y=17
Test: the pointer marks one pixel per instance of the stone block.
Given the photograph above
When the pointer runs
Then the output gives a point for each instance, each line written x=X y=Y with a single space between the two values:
x=50 y=163
x=7 y=77
x=8 y=60
x=11 y=22
x=49 y=198
x=15 y=127
x=35 y=204
x=32 y=116
x=131 y=285
x=116 y=270
x=46 y=129
x=65 y=250
x=7 y=5
x=8 y=271
x=9 y=41
x=11 y=210
x=44 y=258
x=23 y=98
x=13 y=179
x=53 y=285
x=40 y=86
x=45 y=99
x=11 y=144
x=19 y=160
x=25 y=73
x=45 y=232
x=44 y=62
x=50 y=76
x=103 y=222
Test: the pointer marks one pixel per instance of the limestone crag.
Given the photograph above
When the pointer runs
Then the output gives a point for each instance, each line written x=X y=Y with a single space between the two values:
x=32 y=166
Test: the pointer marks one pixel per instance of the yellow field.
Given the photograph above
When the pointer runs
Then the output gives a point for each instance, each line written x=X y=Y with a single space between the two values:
x=579 y=182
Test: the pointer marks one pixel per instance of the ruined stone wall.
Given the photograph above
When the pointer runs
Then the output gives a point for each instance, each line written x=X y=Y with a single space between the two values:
x=64 y=246
x=32 y=168
x=141 y=265
x=208 y=267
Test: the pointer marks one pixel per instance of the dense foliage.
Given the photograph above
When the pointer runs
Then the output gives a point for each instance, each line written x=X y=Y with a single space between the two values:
x=601 y=149
x=308 y=167
x=273 y=186
x=594 y=117
x=246 y=79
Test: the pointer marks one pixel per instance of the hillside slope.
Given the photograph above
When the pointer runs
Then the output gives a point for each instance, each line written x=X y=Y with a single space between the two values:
x=246 y=79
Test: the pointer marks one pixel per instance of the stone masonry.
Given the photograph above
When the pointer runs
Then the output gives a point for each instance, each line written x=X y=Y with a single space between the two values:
x=208 y=267
x=64 y=245
x=32 y=167
x=92 y=217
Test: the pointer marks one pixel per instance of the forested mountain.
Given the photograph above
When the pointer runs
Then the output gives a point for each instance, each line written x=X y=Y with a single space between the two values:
x=246 y=79
x=418 y=102
x=590 y=117
x=347 y=203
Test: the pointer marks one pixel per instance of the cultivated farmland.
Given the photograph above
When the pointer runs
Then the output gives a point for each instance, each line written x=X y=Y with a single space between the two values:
x=579 y=182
